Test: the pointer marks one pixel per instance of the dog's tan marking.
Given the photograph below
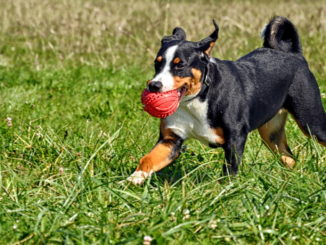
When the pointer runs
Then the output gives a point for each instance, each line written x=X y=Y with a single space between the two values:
x=159 y=59
x=196 y=75
x=273 y=135
x=176 y=60
x=192 y=84
x=181 y=81
x=219 y=136
x=159 y=157
x=209 y=50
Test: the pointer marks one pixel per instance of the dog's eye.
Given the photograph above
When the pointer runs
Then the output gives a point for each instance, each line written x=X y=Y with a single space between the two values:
x=179 y=66
x=178 y=63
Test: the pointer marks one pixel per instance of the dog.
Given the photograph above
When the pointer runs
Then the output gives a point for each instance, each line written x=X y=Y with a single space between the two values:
x=223 y=101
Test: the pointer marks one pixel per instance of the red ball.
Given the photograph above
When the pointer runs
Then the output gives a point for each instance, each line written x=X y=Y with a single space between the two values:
x=160 y=104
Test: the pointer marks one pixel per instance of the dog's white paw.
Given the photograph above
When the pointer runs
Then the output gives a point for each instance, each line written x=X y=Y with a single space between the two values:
x=138 y=177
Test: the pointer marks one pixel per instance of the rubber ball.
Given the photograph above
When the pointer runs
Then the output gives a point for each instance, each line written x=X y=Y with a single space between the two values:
x=160 y=104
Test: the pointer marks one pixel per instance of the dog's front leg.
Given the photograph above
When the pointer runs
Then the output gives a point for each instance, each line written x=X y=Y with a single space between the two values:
x=164 y=152
x=233 y=149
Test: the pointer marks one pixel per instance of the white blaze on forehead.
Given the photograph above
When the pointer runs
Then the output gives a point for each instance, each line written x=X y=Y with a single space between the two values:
x=165 y=76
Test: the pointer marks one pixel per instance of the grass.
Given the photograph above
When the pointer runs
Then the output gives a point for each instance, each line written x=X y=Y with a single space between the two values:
x=71 y=74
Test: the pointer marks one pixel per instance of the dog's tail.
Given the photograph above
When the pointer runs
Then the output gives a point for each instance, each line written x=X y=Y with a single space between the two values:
x=281 y=34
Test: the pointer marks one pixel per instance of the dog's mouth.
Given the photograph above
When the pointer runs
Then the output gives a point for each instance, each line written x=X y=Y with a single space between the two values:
x=182 y=91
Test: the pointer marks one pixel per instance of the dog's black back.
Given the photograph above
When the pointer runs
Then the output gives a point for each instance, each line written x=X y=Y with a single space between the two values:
x=256 y=86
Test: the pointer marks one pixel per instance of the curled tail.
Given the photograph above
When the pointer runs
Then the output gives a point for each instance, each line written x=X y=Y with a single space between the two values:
x=281 y=34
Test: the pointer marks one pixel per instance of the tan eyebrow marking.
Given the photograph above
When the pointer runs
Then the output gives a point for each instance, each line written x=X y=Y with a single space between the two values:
x=159 y=59
x=177 y=60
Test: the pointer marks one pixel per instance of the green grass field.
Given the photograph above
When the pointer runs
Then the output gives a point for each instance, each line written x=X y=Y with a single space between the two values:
x=72 y=130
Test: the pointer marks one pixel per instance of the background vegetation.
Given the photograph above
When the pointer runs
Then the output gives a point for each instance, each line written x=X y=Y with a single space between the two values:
x=72 y=129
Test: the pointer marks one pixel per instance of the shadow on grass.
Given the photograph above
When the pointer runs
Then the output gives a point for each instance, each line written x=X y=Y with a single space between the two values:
x=192 y=167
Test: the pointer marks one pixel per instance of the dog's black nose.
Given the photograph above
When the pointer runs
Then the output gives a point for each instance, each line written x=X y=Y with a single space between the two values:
x=155 y=86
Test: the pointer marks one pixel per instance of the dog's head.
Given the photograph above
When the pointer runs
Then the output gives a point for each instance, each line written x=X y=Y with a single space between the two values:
x=180 y=64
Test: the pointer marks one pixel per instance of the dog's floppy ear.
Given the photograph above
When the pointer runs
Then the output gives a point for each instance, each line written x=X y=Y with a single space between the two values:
x=178 y=34
x=206 y=45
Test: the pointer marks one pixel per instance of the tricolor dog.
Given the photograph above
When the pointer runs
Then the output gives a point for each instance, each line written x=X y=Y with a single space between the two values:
x=223 y=101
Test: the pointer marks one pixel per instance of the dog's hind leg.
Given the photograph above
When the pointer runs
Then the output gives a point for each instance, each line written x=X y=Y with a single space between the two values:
x=273 y=134
x=304 y=103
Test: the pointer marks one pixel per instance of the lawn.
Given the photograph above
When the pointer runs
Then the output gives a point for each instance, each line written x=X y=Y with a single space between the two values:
x=72 y=130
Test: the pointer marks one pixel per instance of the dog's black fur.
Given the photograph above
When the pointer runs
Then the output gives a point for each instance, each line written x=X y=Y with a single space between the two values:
x=245 y=94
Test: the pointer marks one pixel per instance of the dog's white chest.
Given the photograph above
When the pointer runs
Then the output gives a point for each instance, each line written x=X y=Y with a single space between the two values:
x=190 y=121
